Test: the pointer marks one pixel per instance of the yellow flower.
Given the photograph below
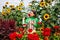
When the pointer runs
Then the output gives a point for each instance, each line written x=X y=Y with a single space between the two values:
x=8 y=10
x=46 y=16
x=21 y=4
x=12 y=6
x=3 y=7
x=3 y=13
x=42 y=4
x=19 y=8
x=7 y=3
x=42 y=28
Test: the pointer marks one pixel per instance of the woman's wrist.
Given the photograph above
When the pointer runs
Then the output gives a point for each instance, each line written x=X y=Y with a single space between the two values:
x=24 y=25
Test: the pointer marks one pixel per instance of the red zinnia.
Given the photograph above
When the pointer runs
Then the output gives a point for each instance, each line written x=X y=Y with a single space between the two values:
x=56 y=27
x=12 y=35
x=21 y=29
x=19 y=35
x=36 y=37
x=29 y=30
x=39 y=22
x=46 y=32
x=33 y=36
x=47 y=29
x=30 y=36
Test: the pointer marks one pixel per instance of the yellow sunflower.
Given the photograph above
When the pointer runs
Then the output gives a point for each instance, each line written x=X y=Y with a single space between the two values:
x=41 y=28
x=3 y=13
x=12 y=6
x=19 y=8
x=42 y=4
x=8 y=10
x=21 y=4
x=7 y=3
x=3 y=7
x=46 y=16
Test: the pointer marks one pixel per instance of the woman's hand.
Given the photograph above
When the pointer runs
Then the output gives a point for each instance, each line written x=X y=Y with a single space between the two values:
x=32 y=22
x=24 y=25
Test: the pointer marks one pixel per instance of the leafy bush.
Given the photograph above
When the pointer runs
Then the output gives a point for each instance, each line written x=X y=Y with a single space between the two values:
x=6 y=27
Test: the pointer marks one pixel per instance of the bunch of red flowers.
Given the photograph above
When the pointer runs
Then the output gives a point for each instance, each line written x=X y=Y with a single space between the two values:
x=21 y=30
x=33 y=36
x=13 y=36
x=56 y=27
x=46 y=32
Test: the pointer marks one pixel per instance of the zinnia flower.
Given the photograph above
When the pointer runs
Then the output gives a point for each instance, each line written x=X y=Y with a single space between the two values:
x=21 y=29
x=19 y=35
x=30 y=30
x=56 y=27
x=30 y=36
x=33 y=36
x=12 y=35
x=46 y=32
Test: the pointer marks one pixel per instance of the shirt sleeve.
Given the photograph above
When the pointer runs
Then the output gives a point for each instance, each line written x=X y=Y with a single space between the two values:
x=36 y=24
x=27 y=20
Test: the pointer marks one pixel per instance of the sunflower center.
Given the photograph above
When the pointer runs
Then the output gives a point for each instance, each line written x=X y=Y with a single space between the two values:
x=42 y=3
x=19 y=8
x=46 y=16
x=21 y=3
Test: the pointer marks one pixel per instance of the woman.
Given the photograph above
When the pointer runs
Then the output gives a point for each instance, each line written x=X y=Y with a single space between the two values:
x=32 y=20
